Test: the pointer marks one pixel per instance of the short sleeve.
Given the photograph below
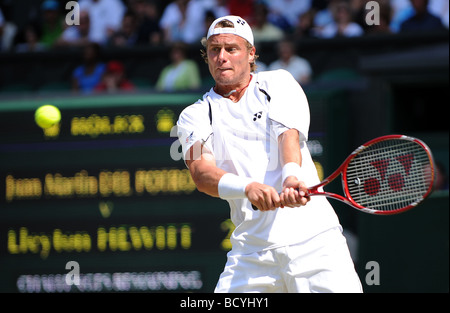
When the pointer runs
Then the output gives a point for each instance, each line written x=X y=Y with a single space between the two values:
x=288 y=105
x=278 y=128
x=193 y=125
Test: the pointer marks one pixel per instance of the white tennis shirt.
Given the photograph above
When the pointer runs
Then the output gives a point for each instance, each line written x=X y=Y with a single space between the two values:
x=243 y=137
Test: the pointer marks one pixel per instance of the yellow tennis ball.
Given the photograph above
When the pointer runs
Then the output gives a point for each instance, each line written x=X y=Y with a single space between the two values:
x=47 y=115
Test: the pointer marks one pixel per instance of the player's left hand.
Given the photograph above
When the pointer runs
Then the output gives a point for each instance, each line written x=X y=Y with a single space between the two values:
x=294 y=193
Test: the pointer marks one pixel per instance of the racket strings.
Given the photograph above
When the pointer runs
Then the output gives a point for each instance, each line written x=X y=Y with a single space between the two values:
x=389 y=175
x=391 y=196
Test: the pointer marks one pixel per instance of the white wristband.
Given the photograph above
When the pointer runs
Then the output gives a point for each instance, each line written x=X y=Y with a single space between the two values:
x=232 y=186
x=291 y=169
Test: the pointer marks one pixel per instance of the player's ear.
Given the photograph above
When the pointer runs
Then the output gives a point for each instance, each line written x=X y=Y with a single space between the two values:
x=252 y=54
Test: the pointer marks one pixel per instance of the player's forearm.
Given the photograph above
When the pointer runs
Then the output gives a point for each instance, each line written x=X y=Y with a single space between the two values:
x=206 y=177
x=294 y=190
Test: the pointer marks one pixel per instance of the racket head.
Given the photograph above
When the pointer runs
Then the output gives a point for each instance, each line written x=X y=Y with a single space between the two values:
x=389 y=175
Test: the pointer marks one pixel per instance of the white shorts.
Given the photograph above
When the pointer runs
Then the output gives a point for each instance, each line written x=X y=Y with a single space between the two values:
x=322 y=264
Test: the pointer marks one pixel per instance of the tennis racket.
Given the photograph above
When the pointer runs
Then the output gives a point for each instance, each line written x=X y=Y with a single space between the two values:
x=387 y=175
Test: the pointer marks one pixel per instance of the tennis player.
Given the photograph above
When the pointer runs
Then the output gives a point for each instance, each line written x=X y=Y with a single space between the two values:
x=245 y=142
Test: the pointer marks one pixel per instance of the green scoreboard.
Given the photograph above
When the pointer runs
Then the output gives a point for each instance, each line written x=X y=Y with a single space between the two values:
x=106 y=189
x=103 y=202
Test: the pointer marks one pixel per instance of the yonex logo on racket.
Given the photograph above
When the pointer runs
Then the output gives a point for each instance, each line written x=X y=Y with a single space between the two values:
x=388 y=175
x=396 y=180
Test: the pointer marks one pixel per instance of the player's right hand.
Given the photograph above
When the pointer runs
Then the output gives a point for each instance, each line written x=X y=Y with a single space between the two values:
x=294 y=193
x=264 y=197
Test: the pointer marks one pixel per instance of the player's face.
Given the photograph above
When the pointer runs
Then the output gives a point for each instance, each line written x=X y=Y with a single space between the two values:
x=229 y=59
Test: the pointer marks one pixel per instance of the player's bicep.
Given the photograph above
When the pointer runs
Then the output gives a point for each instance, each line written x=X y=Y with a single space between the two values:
x=199 y=152
x=289 y=147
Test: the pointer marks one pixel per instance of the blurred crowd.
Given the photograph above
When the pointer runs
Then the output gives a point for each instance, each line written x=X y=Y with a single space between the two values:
x=125 y=23
x=105 y=24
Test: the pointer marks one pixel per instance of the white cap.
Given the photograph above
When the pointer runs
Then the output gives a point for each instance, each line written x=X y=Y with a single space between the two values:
x=241 y=28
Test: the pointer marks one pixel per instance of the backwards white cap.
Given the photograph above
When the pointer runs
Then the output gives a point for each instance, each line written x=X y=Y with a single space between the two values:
x=241 y=28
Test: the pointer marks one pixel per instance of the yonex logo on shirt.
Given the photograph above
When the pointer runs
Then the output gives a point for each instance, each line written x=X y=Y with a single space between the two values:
x=257 y=116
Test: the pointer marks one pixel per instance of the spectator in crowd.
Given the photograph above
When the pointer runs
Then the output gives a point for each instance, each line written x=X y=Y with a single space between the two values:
x=299 y=67
x=422 y=20
x=77 y=35
x=2 y=25
x=127 y=35
x=114 y=79
x=52 y=23
x=343 y=24
x=401 y=11
x=209 y=18
x=285 y=13
x=88 y=75
x=147 y=20
x=305 y=25
x=361 y=13
x=105 y=16
x=440 y=8
x=183 y=20
x=217 y=8
x=384 y=25
x=262 y=29
x=8 y=30
x=28 y=40
x=181 y=74
x=322 y=14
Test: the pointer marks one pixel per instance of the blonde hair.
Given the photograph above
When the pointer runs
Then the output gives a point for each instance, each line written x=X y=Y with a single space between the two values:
x=228 y=24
